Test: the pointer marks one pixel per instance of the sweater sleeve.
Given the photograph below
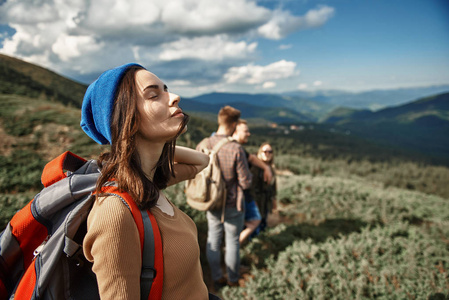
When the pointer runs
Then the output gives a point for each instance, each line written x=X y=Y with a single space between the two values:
x=182 y=172
x=112 y=244
x=244 y=175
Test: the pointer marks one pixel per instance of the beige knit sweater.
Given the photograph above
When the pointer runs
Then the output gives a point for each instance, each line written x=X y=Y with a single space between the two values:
x=112 y=244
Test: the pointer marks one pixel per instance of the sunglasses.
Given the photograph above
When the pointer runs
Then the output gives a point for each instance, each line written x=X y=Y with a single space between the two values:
x=268 y=151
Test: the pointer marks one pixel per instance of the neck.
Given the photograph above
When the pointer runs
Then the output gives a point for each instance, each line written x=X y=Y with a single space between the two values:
x=222 y=130
x=149 y=154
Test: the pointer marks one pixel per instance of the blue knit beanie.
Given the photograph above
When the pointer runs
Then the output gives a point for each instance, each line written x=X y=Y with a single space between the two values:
x=98 y=103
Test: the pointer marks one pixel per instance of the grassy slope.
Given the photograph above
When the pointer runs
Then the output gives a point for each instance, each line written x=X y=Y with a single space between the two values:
x=22 y=78
x=422 y=125
x=349 y=239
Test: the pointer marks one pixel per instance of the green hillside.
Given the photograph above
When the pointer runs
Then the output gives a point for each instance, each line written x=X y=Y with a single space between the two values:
x=338 y=114
x=22 y=78
x=420 y=126
x=300 y=107
x=343 y=237
x=437 y=105
x=349 y=239
x=251 y=112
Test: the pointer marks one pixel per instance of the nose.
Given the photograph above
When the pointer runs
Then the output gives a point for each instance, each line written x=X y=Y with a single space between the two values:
x=174 y=99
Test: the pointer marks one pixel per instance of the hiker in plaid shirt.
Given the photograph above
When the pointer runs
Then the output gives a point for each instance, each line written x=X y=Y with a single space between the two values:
x=235 y=171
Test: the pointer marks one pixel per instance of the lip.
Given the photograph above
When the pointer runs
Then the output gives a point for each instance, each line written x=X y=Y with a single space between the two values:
x=178 y=113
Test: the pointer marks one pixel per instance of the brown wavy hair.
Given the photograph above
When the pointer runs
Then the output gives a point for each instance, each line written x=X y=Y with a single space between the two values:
x=122 y=163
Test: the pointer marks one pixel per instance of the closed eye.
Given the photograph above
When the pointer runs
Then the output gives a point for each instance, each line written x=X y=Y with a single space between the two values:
x=155 y=91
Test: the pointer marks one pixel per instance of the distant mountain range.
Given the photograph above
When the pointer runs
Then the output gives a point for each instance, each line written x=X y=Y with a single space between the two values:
x=298 y=106
x=373 y=100
x=273 y=107
x=419 y=124
x=251 y=108
x=435 y=107
x=307 y=107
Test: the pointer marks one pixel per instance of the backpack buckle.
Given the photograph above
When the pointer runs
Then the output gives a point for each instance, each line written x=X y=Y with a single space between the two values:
x=40 y=247
x=148 y=273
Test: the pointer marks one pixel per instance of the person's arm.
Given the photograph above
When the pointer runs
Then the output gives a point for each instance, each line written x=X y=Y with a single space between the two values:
x=244 y=175
x=112 y=244
x=188 y=162
x=267 y=174
x=273 y=198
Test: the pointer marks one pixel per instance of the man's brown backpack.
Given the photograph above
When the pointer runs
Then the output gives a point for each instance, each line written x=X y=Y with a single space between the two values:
x=207 y=191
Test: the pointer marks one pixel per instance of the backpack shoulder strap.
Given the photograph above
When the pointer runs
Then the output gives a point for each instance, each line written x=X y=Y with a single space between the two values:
x=54 y=170
x=221 y=143
x=152 y=275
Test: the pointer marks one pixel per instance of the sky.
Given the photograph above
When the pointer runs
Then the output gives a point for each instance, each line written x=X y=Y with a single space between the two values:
x=245 y=46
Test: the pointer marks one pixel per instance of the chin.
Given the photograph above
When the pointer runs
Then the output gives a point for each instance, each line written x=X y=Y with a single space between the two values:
x=175 y=137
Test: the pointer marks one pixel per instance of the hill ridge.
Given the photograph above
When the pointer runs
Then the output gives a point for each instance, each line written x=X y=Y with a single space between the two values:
x=23 y=78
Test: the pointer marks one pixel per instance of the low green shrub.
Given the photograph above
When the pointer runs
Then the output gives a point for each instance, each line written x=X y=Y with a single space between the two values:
x=21 y=171
x=10 y=204
x=430 y=179
x=319 y=198
x=394 y=262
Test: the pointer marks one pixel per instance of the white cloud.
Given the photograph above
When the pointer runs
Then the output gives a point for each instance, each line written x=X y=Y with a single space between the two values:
x=269 y=84
x=28 y=12
x=283 y=22
x=285 y=47
x=180 y=83
x=317 y=83
x=302 y=86
x=68 y=47
x=106 y=18
x=80 y=39
x=207 y=48
x=53 y=29
x=253 y=74
x=317 y=17
x=212 y=17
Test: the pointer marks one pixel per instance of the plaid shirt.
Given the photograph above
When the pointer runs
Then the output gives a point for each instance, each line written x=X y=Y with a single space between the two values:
x=234 y=167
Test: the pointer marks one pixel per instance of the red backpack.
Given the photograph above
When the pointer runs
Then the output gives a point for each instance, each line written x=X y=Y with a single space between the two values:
x=41 y=253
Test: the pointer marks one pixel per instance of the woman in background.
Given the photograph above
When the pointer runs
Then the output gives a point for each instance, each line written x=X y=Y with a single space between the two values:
x=264 y=192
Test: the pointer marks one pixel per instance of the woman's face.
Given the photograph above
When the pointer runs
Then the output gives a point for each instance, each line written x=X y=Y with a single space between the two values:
x=160 y=116
x=266 y=153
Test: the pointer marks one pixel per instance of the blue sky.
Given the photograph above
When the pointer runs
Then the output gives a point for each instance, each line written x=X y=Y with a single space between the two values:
x=265 y=46
x=377 y=44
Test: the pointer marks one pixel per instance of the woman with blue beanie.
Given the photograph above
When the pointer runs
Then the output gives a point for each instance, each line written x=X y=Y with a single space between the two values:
x=132 y=110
